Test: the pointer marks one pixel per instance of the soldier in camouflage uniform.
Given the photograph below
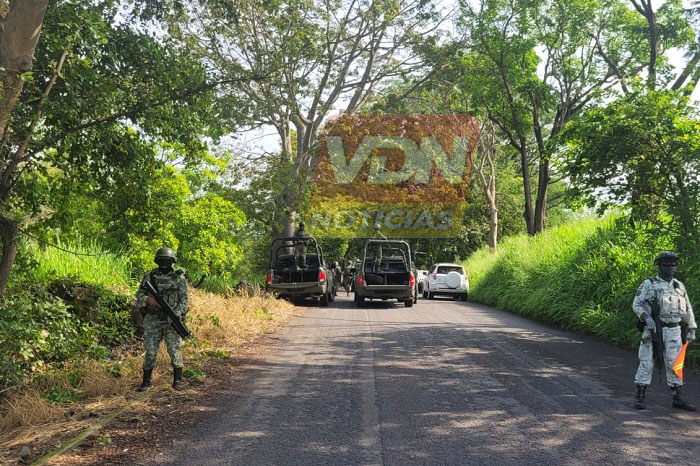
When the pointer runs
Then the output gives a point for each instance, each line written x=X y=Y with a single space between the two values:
x=675 y=310
x=172 y=286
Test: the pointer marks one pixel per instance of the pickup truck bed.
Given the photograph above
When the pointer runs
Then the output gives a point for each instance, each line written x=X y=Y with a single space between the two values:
x=289 y=280
x=391 y=279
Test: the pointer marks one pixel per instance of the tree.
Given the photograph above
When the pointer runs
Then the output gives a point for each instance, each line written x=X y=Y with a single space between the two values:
x=533 y=67
x=437 y=91
x=99 y=96
x=486 y=173
x=642 y=151
x=320 y=56
x=20 y=25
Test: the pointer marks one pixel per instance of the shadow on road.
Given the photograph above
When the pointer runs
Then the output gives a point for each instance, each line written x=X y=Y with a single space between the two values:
x=455 y=392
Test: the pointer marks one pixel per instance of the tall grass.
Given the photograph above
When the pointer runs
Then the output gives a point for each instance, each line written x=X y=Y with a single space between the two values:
x=581 y=276
x=92 y=264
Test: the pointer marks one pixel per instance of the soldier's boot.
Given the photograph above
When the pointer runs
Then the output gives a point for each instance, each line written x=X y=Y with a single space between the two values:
x=678 y=401
x=639 y=402
x=177 y=379
x=146 y=380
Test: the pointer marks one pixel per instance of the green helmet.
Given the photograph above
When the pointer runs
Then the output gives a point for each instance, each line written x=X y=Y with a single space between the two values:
x=666 y=256
x=165 y=252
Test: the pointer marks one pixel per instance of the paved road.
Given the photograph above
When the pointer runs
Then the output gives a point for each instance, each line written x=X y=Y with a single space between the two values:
x=442 y=383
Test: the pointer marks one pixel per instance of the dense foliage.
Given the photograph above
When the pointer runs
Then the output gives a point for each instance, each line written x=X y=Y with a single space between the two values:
x=61 y=307
x=582 y=276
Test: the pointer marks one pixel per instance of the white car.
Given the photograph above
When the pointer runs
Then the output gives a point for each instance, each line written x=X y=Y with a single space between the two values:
x=446 y=279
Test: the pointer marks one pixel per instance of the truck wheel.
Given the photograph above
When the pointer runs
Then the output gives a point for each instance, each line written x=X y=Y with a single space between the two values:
x=408 y=303
x=430 y=295
x=323 y=302
x=331 y=297
x=465 y=296
x=359 y=300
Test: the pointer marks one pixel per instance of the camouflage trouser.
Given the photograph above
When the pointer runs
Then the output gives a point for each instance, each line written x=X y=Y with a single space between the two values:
x=672 y=348
x=154 y=330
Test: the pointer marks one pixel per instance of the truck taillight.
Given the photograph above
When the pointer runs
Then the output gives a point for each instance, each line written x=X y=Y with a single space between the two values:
x=361 y=280
x=412 y=280
x=321 y=276
x=268 y=280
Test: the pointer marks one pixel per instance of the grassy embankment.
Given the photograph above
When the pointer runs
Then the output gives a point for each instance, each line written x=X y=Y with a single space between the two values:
x=582 y=276
x=69 y=348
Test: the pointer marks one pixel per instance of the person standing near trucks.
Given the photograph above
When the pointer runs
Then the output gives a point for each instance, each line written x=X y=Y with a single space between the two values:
x=662 y=305
x=300 y=246
x=171 y=284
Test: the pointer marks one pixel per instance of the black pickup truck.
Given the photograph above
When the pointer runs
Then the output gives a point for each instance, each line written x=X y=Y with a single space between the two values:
x=386 y=273
x=298 y=270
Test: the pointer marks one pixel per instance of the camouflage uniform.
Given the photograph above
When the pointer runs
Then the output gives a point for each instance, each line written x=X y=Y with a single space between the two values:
x=173 y=287
x=674 y=308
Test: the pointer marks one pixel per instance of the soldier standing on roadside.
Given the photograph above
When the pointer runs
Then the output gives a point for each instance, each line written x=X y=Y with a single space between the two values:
x=300 y=247
x=172 y=287
x=674 y=311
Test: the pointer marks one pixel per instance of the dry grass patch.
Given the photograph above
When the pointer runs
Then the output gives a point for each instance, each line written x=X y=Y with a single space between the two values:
x=63 y=402
x=226 y=323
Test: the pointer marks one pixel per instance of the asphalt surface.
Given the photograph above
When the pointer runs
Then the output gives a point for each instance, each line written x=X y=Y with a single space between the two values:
x=443 y=382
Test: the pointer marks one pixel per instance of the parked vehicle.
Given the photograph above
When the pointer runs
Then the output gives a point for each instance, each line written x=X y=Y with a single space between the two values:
x=298 y=270
x=446 y=279
x=386 y=272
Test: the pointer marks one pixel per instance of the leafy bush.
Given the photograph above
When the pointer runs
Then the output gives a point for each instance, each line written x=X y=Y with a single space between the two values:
x=37 y=329
x=66 y=321
x=582 y=276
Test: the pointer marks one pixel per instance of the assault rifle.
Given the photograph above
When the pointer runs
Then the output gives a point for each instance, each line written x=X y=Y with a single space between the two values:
x=175 y=321
x=657 y=336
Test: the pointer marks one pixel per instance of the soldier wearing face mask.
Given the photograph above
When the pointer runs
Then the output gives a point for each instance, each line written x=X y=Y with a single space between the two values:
x=172 y=286
x=675 y=312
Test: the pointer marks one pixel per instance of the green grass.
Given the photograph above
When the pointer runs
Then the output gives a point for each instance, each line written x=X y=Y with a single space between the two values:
x=92 y=265
x=581 y=276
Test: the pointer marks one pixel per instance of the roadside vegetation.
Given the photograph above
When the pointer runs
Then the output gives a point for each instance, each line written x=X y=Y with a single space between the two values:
x=69 y=345
x=581 y=276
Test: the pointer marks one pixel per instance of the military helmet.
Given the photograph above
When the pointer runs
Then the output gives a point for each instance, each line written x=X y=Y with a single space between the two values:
x=666 y=256
x=165 y=252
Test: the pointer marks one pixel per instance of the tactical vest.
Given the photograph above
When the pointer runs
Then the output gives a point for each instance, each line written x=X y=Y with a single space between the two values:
x=672 y=299
x=167 y=286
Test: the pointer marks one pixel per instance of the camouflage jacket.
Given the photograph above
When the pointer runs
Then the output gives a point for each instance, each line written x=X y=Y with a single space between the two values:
x=673 y=300
x=172 y=286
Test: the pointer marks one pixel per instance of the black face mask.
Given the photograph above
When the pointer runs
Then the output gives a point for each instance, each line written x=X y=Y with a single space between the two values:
x=666 y=271
x=165 y=265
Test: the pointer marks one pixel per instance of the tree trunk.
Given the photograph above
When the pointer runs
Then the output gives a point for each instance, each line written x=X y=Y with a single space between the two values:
x=487 y=144
x=19 y=33
x=492 y=239
x=541 y=202
x=8 y=234
x=527 y=188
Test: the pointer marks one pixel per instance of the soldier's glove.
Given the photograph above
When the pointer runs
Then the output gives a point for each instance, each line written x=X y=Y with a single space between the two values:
x=650 y=323
x=152 y=303
x=691 y=335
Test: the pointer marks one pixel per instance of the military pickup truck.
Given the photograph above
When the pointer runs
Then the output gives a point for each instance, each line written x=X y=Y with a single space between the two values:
x=386 y=272
x=298 y=271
